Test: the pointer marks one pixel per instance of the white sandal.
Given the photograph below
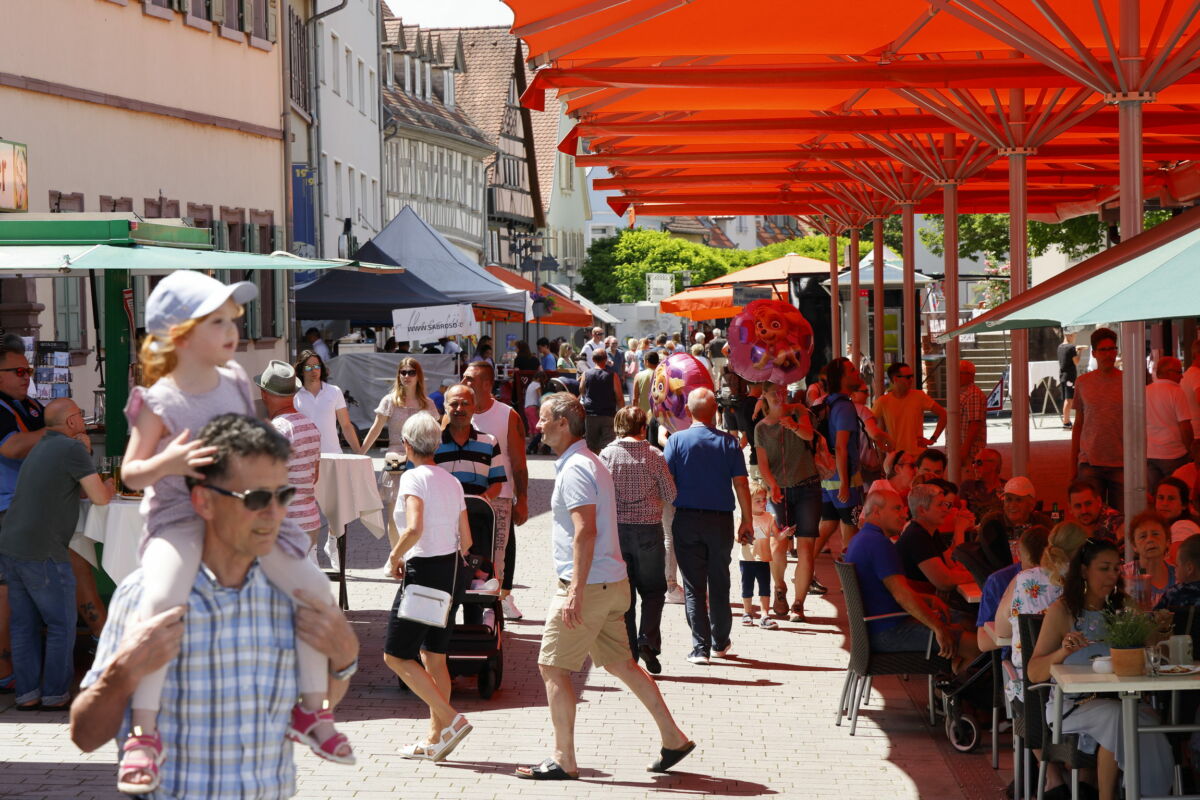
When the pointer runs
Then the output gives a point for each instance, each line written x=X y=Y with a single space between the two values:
x=449 y=738
x=418 y=752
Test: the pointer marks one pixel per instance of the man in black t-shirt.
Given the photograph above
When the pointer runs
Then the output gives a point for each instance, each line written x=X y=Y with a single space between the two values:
x=1068 y=362
x=922 y=556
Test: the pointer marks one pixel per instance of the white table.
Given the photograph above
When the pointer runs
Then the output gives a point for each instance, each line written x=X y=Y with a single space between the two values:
x=1080 y=679
x=1001 y=641
x=117 y=526
x=346 y=490
x=970 y=592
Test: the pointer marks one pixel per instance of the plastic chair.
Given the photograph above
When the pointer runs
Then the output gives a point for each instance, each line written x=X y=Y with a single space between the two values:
x=865 y=664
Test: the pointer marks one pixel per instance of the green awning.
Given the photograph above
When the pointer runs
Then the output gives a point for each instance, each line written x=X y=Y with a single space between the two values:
x=1152 y=276
x=69 y=259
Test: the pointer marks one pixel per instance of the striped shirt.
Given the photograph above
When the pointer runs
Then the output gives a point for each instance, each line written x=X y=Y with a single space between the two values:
x=305 y=439
x=476 y=464
x=228 y=695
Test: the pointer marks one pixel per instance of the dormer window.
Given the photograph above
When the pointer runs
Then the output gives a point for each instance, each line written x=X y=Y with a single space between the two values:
x=448 y=91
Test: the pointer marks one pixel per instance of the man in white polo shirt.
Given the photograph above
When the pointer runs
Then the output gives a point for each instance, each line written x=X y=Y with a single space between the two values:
x=587 y=615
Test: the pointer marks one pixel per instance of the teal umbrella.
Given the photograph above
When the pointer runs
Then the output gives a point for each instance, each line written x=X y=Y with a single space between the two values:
x=1155 y=275
x=66 y=259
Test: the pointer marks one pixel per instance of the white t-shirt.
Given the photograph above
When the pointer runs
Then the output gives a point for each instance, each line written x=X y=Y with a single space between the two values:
x=443 y=504
x=322 y=410
x=1166 y=407
x=320 y=348
x=1190 y=384
x=533 y=394
x=495 y=421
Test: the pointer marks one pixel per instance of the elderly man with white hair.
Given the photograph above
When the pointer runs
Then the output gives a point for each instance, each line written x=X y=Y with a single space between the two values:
x=709 y=469
x=1168 y=422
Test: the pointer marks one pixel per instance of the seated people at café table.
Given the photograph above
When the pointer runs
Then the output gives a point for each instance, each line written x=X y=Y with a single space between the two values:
x=997 y=591
x=885 y=590
x=1172 y=500
x=924 y=565
x=1088 y=509
x=958 y=526
x=930 y=464
x=1073 y=632
x=1186 y=591
x=1150 y=543
x=1000 y=530
x=985 y=492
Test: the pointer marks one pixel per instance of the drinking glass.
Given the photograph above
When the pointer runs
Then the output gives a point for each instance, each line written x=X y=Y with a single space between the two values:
x=1153 y=661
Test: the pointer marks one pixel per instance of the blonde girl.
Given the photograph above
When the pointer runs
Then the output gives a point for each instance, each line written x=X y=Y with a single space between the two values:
x=191 y=377
x=406 y=398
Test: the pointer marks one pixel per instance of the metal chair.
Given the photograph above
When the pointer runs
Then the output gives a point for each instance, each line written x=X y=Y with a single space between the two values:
x=865 y=664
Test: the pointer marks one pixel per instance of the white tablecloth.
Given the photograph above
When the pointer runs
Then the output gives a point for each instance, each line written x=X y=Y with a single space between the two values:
x=346 y=491
x=118 y=526
x=1040 y=370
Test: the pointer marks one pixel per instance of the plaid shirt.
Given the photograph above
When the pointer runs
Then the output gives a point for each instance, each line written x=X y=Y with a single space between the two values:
x=973 y=406
x=642 y=481
x=228 y=695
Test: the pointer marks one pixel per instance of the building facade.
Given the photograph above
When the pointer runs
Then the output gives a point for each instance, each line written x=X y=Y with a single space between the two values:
x=158 y=132
x=434 y=155
x=346 y=145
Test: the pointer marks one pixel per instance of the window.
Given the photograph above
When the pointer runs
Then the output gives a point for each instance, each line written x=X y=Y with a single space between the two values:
x=201 y=215
x=156 y=207
x=349 y=76
x=389 y=73
x=258 y=18
x=362 y=199
x=68 y=312
x=158 y=8
x=260 y=314
x=324 y=178
x=337 y=180
x=64 y=203
x=115 y=204
x=298 y=60
x=373 y=214
x=362 y=88
x=335 y=54
x=350 y=206
x=408 y=84
x=373 y=96
x=320 y=38
x=566 y=172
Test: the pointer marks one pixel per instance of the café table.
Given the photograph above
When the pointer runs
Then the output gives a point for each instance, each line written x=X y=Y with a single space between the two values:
x=1081 y=679
x=970 y=592
x=346 y=491
x=117 y=526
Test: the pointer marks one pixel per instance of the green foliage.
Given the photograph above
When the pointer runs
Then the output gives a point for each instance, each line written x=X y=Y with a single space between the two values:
x=1129 y=628
x=995 y=290
x=597 y=284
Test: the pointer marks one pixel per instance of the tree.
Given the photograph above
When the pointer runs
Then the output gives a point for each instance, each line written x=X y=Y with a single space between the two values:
x=597 y=284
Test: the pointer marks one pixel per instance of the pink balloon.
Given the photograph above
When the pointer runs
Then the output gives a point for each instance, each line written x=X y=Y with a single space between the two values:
x=673 y=380
x=770 y=341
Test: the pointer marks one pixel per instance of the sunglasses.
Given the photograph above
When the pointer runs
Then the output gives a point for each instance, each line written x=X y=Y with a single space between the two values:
x=408 y=373
x=258 y=499
x=311 y=367
x=904 y=375
x=21 y=372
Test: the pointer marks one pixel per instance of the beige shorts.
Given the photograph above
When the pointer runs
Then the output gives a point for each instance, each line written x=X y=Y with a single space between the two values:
x=602 y=634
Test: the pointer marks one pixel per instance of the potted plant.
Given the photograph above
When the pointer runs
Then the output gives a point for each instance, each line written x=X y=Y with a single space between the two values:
x=543 y=304
x=1128 y=631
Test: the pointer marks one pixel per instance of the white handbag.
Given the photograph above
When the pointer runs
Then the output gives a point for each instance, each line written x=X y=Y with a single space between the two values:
x=430 y=606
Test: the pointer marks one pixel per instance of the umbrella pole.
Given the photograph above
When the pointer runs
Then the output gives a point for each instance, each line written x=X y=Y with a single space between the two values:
x=877 y=297
x=92 y=290
x=950 y=292
x=835 y=313
x=912 y=354
x=855 y=300
x=1018 y=279
x=1133 y=334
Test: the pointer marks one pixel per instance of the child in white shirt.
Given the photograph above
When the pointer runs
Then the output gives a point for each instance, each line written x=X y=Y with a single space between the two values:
x=755 y=564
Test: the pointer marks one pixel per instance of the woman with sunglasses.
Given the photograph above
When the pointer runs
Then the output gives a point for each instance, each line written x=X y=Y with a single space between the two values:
x=428 y=553
x=1074 y=632
x=324 y=404
x=406 y=398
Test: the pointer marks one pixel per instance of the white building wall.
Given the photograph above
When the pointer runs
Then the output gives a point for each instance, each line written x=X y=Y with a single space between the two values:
x=570 y=210
x=348 y=119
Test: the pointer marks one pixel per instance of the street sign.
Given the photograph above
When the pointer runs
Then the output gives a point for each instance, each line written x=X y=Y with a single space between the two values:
x=659 y=286
x=744 y=295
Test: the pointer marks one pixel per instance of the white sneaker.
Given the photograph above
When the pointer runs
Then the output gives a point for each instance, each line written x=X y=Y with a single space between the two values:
x=489 y=618
x=699 y=659
x=675 y=595
x=332 y=551
x=768 y=624
x=510 y=608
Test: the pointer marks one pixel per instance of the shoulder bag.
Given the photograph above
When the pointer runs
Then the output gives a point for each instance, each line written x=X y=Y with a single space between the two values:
x=427 y=605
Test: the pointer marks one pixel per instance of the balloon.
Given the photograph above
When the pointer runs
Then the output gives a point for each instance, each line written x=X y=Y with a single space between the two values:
x=673 y=380
x=770 y=341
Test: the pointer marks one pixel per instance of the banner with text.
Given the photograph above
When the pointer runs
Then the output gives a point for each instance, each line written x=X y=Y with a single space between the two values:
x=433 y=322
x=659 y=286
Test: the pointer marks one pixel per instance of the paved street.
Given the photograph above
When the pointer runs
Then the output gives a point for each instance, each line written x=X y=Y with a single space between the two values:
x=763 y=720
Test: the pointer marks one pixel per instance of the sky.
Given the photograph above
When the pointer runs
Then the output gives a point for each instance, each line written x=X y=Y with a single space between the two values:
x=451 y=13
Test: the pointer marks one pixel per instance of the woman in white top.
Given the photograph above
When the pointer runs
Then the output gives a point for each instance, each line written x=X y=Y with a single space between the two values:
x=323 y=403
x=429 y=553
x=406 y=398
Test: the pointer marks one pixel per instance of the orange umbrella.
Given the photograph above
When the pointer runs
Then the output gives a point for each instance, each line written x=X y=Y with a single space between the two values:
x=566 y=312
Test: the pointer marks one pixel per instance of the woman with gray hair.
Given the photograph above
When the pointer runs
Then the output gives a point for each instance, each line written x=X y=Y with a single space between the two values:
x=428 y=553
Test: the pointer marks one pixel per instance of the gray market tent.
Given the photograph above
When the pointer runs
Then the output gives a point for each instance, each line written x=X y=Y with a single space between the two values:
x=366 y=298
x=408 y=241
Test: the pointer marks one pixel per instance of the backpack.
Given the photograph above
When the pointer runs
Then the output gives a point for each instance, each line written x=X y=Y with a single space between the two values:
x=869 y=457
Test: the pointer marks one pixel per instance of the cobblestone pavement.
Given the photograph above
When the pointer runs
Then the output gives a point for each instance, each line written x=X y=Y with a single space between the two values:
x=764 y=720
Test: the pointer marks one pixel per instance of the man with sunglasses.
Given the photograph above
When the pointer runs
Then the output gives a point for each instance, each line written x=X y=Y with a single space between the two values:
x=984 y=493
x=901 y=411
x=1096 y=438
x=232 y=677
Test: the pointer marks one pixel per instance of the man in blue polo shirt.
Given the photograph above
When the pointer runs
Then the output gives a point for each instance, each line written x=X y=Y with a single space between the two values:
x=467 y=453
x=885 y=590
x=708 y=468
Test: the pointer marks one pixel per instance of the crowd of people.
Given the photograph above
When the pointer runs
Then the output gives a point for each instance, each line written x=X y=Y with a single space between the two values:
x=229 y=596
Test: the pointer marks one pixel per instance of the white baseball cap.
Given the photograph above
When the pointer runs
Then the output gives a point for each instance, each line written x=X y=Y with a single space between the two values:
x=185 y=295
x=1020 y=486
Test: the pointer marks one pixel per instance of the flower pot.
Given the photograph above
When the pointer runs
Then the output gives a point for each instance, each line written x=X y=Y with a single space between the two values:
x=1129 y=661
x=540 y=309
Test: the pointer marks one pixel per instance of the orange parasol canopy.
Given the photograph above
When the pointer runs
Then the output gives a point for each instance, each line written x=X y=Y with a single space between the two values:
x=566 y=312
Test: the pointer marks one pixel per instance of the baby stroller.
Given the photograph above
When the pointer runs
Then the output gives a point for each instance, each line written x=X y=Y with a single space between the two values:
x=475 y=645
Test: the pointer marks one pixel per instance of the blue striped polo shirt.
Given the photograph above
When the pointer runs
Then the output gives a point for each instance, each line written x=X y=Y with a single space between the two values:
x=475 y=463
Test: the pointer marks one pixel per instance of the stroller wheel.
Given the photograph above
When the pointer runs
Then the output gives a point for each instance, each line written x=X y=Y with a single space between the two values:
x=487 y=682
x=963 y=733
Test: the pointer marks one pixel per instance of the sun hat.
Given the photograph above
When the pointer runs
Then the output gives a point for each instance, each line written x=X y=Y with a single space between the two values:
x=1182 y=529
x=1020 y=486
x=185 y=295
x=279 y=378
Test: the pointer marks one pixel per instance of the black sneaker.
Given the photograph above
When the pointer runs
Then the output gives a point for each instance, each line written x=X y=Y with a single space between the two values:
x=816 y=587
x=651 y=659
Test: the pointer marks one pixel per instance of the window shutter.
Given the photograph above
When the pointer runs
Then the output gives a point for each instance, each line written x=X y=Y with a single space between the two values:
x=246 y=9
x=217 y=10
x=272 y=21
x=220 y=235
x=278 y=238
